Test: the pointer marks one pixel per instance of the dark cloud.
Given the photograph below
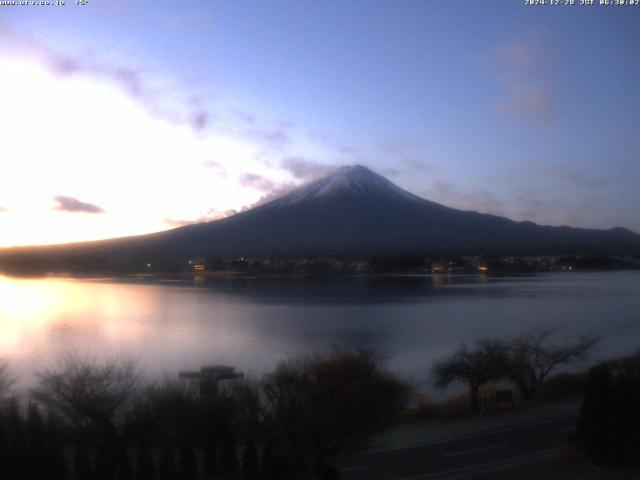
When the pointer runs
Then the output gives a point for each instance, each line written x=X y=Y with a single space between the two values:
x=128 y=78
x=200 y=120
x=62 y=65
x=305 y=169
x=70 y=204
x=256 y=181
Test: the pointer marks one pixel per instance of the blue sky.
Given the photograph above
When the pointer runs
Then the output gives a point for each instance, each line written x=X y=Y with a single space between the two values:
x=528 y=112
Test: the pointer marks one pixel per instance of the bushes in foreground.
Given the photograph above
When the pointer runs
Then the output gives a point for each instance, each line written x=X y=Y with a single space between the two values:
x=610 y=417
x=108 y=422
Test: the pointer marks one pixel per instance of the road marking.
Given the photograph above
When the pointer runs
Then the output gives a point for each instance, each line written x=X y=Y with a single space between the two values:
x=532 y=423
x=488 y=467
x=474 y=450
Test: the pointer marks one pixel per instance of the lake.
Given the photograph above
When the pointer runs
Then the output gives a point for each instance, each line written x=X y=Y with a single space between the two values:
x=252 y=323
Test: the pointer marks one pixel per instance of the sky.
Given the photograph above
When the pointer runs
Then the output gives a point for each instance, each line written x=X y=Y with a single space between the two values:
x=121 y=118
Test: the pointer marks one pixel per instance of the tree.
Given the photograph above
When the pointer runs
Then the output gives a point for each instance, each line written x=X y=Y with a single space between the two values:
x=145 y=468
x=272 y=465
x=6 y=380
x=167 y=469
x=110 y=399
x=82 y=468
x=4 y=447
x=250 y=461
x=476 y=366
x=532 y=357
x=210 y=461
x=18 y=456
x=187 y=462
x=125 y=472
x=228 y=457
x=56 y=463
x=36 y=442
x=610 y=417
x=317 y=405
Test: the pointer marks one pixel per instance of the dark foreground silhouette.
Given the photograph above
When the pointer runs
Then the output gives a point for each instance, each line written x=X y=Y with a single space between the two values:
x=106 y=420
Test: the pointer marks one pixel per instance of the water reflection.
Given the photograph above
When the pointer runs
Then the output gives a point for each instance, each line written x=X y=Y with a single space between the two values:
x=252 y=323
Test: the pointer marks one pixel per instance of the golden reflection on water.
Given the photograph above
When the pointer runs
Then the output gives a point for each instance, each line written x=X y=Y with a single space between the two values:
x=34 y=311
x=163 y=327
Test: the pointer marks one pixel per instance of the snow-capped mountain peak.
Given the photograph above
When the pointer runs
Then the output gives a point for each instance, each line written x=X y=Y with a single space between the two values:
x=352 y=181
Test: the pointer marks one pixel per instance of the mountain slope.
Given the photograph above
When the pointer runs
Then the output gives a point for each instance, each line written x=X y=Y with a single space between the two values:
x=355 y=211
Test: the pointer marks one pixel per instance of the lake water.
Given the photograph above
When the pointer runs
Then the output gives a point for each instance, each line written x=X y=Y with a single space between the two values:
x=252 y=323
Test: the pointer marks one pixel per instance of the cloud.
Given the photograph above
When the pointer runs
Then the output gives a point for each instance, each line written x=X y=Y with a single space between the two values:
x=246 y=117
x=568 y=175
x=3 y=209
x=522 y=70
x=410 y=166
x=530 y=101
x=271 y=137
x=258 y=182
x=210 y=215
x=219 y=167
x=200 y=120
x=305 y=169
x=135 y=81
x=277 y=191
x=338 y=146
x=70 y=204
x=128 y=78
x=481 y=200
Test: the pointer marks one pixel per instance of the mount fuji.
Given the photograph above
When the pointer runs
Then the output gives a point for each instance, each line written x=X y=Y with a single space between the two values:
x=352 y=211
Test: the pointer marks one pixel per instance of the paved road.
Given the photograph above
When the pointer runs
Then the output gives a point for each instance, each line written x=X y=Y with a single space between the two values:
x=491 y=454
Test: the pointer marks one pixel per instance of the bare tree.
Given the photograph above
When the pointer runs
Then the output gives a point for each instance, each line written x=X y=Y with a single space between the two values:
x=320 y=404
x=109 y=398
x=476 y=366
x=534 y=355
x=6 y=379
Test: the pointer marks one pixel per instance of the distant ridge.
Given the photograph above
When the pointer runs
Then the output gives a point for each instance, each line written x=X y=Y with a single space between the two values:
x=353 y=212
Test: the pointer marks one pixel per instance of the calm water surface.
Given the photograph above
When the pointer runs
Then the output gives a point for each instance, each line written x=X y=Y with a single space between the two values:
x=254 y=323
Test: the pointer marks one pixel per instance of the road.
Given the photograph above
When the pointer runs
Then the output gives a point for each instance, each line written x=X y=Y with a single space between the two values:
x=489 y=455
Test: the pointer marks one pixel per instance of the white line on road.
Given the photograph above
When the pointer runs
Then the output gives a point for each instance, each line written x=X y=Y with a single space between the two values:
x=474 y=450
